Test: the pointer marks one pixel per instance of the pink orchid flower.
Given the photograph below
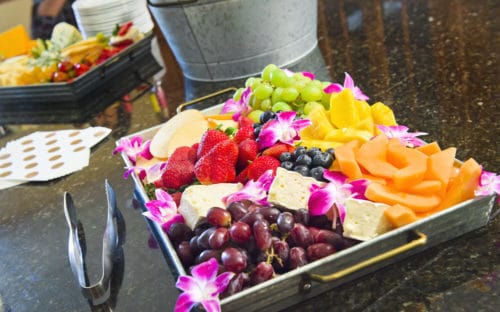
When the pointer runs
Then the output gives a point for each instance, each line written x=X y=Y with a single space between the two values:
x=348 y=84
x=307 y=74
x=284 y=128
x=240 y=107
x=255 y=191
x=148 y=175
x=334 y=194
x=163 y=210
x=134 y=147
x=408 y=139
x=489 y=183
x=204 y=286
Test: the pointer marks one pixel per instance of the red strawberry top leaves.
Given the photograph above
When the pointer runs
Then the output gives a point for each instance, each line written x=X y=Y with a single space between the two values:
x=218 y=166
x=260 y=165
x=243 y=134
x=209 y=139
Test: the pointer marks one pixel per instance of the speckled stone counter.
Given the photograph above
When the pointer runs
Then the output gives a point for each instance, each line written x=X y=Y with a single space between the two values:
x=434 y=62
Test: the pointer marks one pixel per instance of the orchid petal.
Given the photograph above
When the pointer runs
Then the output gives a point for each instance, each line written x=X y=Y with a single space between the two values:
x=288 y=72
x=320 y=202
x=400 y=132
x=206 y=271
x=186 y=283
x=239 y=107
x=255 y=191
x=348 y=82
x=359 y=95
x=359 y=188
x=178 y=218
x=184 y=303
x=489 y=183
x=212 y=305
x=341 y=213
x=229 y=106
x=308 y=75
x=222 y=281
x=334 y=176
x=145 y=152
x=286 y=117
x=269 y=135
x=333 y=88
x=165 y=197
x=154 y=172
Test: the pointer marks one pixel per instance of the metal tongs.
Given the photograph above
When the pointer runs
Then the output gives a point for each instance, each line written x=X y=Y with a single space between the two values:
x=112 y=252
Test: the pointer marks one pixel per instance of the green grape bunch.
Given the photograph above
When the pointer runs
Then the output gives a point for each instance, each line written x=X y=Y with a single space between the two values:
x=282 y=90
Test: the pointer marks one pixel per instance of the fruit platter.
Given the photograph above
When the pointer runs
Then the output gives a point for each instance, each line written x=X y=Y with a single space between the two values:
x=68 y=79
x=294 y=186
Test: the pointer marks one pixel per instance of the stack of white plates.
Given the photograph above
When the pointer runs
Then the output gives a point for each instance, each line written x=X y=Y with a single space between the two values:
x=95 y=16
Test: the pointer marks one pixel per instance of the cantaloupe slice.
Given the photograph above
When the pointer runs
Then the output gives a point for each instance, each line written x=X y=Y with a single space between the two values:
x=426 y=187
x=399 y=215
x=184 y=129
x=462 y=187
x=372 y=157
x=440 y=166
x=412 y=165
x=346 y=160
x=429 y=149
x=385 y=194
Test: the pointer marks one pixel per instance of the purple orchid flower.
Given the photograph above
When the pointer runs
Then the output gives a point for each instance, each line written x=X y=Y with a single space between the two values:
x=133 y=148
x=284 y=128
x=240 y=107
x=163 y=210
x=334 y=194
x=489 y=183
x=348 y=84
x=408 y=139
x=203 y=287
x=255 y=191
x=148 y=175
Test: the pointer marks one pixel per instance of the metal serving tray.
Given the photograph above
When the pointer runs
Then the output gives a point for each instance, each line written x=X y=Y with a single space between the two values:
x=344 y=266
x=86 y=96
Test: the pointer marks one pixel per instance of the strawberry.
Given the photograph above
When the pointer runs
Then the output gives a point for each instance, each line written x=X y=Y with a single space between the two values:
x=260 y=165
x=244 y=121
x=243 y=134
x=242 y=177
x=277 y=149
x=177 y=174
x=247 y=151
x=177 y=198
x=122 y=31
x=218 y=166
x=209 y=139
x=184 y=153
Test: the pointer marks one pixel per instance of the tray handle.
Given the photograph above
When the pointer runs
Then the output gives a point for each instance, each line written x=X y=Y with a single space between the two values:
x=182 y=106
x=419 y=241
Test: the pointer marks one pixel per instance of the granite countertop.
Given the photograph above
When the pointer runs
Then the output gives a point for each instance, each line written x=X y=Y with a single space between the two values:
x=434 y=62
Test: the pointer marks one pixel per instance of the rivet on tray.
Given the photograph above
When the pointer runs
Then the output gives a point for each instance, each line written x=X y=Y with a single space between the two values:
x=32 y=165
x=49 y=135
x=99 y=134
x=55 y=157
x=4 y=156
x=54 y=149
x=29 y=149
x=58 y=165
x=74 y=133
x=27 y=142
x=75 y=142
x=51 y=142
x=79 y=148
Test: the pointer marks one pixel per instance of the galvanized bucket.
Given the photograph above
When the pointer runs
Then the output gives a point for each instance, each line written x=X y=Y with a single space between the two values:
x=216 y=40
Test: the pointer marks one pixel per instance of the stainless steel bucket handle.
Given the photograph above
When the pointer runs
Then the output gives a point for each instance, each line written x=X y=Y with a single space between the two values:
x=420 y=241
x=183 y=106
x=171 y=3
x=113 y=239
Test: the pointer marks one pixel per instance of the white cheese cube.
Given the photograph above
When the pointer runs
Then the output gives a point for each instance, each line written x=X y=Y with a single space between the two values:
x=364 y=219
x=290 y=189
x=196 y=200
